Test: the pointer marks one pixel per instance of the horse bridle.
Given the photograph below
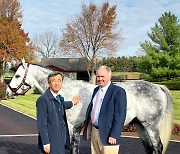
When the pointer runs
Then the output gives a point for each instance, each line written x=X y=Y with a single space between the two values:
x=23 y=82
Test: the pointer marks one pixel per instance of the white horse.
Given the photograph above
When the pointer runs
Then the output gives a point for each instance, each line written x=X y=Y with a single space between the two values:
x=149 y=106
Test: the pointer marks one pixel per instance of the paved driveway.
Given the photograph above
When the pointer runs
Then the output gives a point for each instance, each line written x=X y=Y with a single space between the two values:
x=18 y=135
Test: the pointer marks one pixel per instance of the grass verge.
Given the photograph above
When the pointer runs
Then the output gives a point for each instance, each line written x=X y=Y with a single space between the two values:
x=25 y=104
x=176 y=105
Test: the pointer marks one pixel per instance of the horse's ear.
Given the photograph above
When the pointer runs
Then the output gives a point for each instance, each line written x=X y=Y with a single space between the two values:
x=23 y=62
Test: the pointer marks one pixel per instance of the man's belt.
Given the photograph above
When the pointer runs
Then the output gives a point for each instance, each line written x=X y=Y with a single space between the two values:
x=97 y=127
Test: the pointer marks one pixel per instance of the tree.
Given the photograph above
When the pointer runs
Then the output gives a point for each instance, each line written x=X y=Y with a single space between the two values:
x=47 y=44
x=121 y=64
x=163 y=51
x=10 y=10
x=91 y=35
x=14 y=42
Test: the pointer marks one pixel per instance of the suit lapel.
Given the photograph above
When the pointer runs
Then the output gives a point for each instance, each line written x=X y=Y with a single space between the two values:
x=95 y=91
x=55 y=102
x=52 y=99
x=91 y=103
x=107 y=96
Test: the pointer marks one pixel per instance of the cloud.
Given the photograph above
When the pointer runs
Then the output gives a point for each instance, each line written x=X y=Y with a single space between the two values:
x=136 y=17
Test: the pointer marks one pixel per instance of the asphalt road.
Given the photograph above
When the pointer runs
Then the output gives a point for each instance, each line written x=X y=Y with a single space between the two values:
x=18 y=135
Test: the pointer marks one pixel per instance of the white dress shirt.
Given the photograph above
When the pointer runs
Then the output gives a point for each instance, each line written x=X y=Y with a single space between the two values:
x=103 y=92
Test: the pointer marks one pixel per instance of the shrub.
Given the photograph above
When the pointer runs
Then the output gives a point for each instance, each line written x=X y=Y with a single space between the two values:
x=132 y=128
x=172 y=85
x=2 y=90
x=129 y=128
x=176 y=129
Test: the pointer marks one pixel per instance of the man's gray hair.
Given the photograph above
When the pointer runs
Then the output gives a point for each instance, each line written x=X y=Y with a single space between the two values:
x=108 y=69
x=54 y=74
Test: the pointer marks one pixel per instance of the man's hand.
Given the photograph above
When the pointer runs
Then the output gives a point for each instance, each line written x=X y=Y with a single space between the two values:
x=46 y=148
x=76 y=99
x=112 y=140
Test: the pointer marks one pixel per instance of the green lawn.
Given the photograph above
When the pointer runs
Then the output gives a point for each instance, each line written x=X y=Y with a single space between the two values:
x=26 y=104
x=9 y=74
x=176 y=105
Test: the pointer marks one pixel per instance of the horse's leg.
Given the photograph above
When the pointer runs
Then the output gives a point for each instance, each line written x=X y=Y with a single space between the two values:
x=150 y=137
x=158 y=127
x=75 y=140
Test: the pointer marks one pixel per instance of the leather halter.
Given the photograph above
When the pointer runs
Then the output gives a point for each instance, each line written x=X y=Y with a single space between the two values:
x=23 y=82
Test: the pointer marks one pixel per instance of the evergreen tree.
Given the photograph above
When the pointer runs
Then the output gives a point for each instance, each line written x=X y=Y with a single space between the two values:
x=163 y=50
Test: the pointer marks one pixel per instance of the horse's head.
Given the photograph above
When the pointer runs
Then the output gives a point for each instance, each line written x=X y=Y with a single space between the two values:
x=19 y=84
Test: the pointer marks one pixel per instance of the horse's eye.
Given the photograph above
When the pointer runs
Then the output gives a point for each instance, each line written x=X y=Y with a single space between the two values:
x=17 y=76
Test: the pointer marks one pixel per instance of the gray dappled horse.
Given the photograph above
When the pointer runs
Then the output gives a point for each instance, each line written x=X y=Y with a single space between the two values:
x=149 y=106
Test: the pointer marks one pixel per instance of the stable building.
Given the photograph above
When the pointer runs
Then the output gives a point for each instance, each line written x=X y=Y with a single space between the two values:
x=73 y=68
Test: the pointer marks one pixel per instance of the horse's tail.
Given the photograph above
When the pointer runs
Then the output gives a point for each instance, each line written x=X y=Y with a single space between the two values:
x=167 y=123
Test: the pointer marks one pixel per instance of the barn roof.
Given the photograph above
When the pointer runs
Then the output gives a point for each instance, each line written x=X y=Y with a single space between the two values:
x=65 y=64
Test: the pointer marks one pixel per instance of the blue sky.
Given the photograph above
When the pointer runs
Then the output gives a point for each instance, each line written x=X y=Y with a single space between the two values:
x=135 y=17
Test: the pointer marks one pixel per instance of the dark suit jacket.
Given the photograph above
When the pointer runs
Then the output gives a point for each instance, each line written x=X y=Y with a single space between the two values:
x=112 y=114
x=52 y=124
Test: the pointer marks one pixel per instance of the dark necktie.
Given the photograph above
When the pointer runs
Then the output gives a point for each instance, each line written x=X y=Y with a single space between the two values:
x=61 y=105
x=59 y=98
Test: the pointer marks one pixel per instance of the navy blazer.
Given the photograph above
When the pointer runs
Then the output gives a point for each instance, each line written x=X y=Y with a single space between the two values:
x=112 y=114
x=52 y=124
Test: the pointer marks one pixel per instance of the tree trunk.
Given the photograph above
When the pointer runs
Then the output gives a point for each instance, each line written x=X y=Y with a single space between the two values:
x=93 y=68
x=2 y=71
x=92 y=78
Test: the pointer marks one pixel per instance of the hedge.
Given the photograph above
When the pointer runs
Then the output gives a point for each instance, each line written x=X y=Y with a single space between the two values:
x=172 y=85
x=132 y=128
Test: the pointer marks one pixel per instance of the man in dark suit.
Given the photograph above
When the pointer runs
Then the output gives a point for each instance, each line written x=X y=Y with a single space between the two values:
x=51 y=118
x=105 y=115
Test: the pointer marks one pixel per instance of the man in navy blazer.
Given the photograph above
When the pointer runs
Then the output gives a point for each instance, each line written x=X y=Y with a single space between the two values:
x=51 y=118
x=105 y=115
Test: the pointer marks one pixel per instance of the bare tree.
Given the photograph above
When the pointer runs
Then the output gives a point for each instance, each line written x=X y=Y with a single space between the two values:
x=47 y=44
x=91 y=35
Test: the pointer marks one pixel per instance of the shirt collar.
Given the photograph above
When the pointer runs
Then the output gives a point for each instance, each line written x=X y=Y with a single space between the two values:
x=54 y=94
x=104 y=89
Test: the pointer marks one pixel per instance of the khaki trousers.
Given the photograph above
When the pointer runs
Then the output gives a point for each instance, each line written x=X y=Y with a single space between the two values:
x=97 y=146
